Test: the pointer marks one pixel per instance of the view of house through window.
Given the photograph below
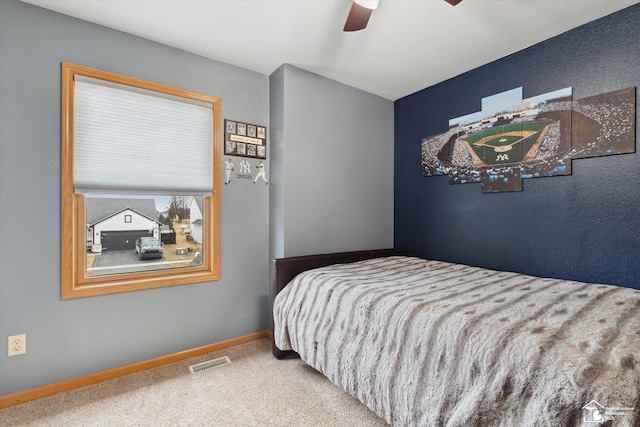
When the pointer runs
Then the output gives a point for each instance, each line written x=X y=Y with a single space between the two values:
x=128 y=234
x=140 y=187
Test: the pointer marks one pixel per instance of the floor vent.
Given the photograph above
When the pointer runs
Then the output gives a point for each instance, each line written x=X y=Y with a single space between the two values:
x=209 y=364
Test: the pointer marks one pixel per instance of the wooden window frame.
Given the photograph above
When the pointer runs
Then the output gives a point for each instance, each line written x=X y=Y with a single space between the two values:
x=74 y=281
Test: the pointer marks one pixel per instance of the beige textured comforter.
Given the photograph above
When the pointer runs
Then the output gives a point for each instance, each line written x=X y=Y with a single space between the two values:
x=429 y=343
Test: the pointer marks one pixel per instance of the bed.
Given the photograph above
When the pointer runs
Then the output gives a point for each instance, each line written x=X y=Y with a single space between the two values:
x=430 y=343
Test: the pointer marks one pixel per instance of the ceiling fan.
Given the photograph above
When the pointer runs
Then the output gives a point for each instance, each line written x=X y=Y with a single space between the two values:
x=361 y=11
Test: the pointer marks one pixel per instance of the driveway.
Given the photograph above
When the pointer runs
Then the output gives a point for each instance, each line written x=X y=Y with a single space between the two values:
x=116 y=258
x=125 y=261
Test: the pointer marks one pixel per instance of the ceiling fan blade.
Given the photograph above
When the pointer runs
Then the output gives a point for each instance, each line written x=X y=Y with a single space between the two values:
x=453 y=2
x=358 y=18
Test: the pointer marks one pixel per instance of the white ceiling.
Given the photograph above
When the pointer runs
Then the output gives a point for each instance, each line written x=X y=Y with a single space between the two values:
x=408 y=45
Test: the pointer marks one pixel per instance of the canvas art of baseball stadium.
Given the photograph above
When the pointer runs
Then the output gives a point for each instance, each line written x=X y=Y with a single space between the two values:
x=512 y=139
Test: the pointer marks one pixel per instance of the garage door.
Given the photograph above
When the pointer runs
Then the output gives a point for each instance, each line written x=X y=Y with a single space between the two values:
x=121 y=240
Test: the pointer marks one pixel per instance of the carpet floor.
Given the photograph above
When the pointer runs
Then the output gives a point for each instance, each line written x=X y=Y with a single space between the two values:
x=255 y=389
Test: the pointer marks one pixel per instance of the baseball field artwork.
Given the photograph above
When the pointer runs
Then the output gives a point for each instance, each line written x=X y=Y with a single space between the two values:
x=511 y=139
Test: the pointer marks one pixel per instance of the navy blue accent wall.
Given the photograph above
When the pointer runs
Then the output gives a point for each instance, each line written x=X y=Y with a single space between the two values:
x=585 y=226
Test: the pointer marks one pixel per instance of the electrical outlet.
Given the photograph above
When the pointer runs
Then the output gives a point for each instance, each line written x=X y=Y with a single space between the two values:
x=17 y=344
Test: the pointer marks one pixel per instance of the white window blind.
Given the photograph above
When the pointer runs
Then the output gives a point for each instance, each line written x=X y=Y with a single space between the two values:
x=129 y=140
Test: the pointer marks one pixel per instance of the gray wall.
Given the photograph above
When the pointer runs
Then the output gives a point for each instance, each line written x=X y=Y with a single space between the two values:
x=76 y=337
x=332 y=156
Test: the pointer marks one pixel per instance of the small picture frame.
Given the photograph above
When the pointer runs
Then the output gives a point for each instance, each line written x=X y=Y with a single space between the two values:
x=230 y=147
x=245 y=139
x=261 y=152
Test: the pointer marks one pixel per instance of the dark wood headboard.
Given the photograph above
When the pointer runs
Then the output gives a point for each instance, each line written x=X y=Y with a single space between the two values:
x=285 y=269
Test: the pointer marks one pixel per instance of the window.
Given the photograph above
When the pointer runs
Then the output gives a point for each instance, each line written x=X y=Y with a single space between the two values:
x=140 y=188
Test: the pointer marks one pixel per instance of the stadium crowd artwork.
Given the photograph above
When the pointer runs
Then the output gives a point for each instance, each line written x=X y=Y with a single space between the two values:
x=512 y=139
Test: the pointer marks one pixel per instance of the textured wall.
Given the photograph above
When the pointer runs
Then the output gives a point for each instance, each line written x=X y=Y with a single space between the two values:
x=583 y=227
x=75 y=337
